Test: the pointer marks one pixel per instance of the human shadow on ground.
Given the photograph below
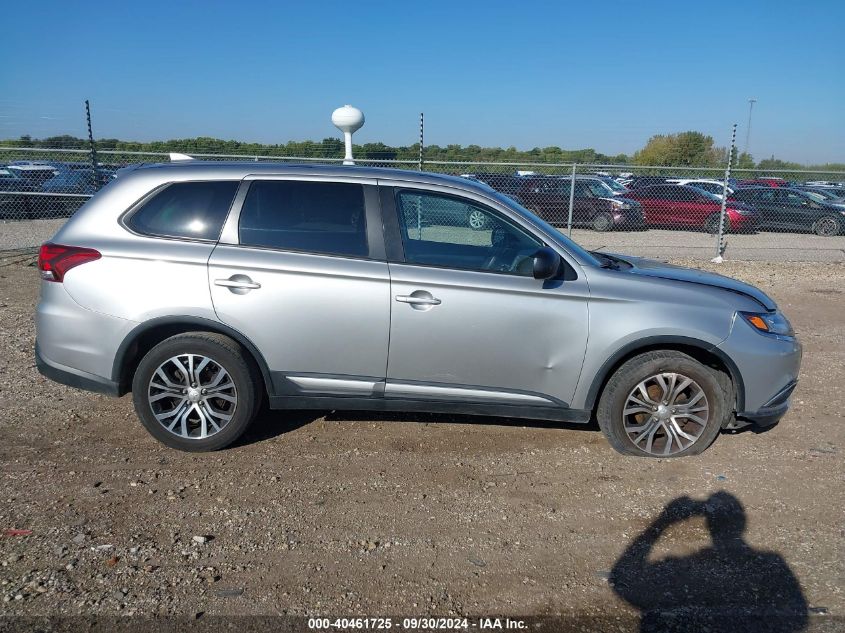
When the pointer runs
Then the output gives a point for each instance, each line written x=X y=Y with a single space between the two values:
x=729 y=586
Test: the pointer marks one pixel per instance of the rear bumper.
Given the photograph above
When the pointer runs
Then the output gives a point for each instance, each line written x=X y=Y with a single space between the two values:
x=743 y=223
x=74 y=377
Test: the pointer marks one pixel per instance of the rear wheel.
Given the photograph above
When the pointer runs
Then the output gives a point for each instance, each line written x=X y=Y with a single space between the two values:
x=828 y=226
x=602 y=222
x=711 y=224
x=197 y=391
x=663 y=404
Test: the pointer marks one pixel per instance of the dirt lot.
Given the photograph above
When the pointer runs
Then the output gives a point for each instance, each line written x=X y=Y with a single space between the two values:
x=339 y=514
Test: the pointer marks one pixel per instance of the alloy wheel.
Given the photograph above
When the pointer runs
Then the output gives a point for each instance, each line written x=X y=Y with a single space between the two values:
x=192 y=396
x=827 y=227
x=665 y=414
x=477 y=220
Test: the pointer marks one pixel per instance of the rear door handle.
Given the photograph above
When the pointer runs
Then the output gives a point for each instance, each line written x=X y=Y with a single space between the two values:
x=238 y=284
x=418 y=301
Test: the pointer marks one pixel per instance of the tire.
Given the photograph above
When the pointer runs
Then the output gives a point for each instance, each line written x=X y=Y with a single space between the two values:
x=188 y=403
x=602 y=222
x=828 y=226
x=477 y=220
x=711 y=224
x=642 y=421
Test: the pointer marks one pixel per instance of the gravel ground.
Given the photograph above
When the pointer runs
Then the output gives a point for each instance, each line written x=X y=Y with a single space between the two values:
x=356 y=514
x=777 y=247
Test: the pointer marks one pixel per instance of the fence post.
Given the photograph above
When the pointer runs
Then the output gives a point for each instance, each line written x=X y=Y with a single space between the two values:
x=571 y=199
x=421 y=140
x=94 y=167
x=721 y=245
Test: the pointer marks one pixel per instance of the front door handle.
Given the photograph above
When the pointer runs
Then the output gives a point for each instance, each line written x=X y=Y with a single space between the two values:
x=418 y=298
x=419 y=301
x=238 y=284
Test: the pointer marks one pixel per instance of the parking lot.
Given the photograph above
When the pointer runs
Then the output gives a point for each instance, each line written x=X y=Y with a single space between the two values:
x=334 y=513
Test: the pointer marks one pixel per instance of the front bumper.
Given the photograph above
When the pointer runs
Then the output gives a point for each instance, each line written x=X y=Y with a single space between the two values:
x=766 y=372
x=773 y=410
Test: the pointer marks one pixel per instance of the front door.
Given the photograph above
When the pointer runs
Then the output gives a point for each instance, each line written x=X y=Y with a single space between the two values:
x=307 y=283
x=469 y=321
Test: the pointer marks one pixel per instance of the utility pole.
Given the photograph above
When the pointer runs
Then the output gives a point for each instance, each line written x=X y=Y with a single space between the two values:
x=751 y=103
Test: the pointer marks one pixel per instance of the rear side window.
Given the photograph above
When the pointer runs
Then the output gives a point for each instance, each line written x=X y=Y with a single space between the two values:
x=315 y=217
x=194 y=210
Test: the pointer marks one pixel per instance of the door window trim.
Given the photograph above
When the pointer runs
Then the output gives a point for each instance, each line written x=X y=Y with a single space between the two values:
x=372 y=212
x=393 y=232
x=124 y=218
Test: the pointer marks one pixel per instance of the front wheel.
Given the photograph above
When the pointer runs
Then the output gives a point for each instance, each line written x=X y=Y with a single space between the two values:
x=197 y=391
x=602 y=222
x=663 y=404
x=828 y=226
x=711 y=224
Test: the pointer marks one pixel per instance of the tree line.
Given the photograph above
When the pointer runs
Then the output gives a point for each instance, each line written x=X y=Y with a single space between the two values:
x=684 y=149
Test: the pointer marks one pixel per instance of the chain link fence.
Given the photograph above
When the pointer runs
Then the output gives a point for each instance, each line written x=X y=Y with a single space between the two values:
x=649 y=211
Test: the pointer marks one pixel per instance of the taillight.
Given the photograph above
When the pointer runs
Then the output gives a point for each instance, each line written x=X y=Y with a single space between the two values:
x=54 y=260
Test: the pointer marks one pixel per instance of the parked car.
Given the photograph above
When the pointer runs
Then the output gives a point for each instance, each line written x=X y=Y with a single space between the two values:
x=833 y=194
x=638 y=182
x=763 y=182
x=714 y=187
x=34 y=173
x=65 y=192
x=594 y=203
x=204 y=288
x=503 y=183
x=793 y=209
x=687 y=207
x=14 y=203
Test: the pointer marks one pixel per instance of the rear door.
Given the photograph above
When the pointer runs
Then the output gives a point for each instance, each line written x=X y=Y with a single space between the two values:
x=655 y=205
x=797 y=211
x=300 y=271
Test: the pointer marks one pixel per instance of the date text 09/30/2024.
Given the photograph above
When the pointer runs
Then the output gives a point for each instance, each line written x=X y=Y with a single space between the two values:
x=423 y=623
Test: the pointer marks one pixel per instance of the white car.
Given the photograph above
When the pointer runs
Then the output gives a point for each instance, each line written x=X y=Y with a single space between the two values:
x=715 y=187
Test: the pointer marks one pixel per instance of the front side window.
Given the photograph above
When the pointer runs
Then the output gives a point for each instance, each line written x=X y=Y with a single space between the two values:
x=326 y=218
x=441 y=230
x=194 y=210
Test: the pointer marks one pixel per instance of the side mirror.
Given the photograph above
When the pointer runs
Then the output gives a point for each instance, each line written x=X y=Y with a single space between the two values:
x=546 y=263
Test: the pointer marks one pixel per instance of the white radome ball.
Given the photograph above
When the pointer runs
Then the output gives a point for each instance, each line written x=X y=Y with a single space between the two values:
x=348 y=118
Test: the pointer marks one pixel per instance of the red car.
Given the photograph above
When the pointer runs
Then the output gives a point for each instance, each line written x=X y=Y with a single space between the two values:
x=685 y=207
x=763 y=182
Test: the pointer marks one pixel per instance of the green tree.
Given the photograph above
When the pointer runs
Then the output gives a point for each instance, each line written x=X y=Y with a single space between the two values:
x=692 y=149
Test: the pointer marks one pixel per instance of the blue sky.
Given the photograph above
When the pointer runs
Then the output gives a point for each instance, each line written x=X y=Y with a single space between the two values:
x=605 y=75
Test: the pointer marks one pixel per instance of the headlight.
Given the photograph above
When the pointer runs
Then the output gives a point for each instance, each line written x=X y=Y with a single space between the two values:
x=769 y=323
x=742 y=211
x=618 y=204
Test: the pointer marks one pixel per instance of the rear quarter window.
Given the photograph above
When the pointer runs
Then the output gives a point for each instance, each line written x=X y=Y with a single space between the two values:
x=192 y=210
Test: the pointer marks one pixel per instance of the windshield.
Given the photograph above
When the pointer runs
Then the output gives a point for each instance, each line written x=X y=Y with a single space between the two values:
x=572 y=247
x=598 y=188
x=610 y=182
x=824 y=195
x=711 y=196
x=814 y=196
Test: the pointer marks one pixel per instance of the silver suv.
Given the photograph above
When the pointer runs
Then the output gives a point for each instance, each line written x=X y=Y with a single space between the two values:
x=207 y=289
